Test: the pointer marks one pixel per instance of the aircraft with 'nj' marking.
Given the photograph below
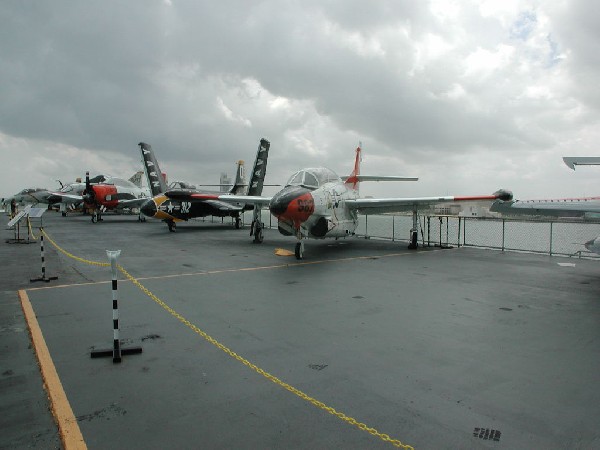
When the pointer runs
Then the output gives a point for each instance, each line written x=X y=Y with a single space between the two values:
x=316 y=203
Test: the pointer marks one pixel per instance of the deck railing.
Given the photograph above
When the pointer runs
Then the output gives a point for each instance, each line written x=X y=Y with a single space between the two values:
x=552 y=237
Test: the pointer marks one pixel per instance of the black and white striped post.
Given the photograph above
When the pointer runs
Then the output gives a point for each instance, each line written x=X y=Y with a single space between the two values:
x=117 y=350
x=43 y=277
x=112 y=256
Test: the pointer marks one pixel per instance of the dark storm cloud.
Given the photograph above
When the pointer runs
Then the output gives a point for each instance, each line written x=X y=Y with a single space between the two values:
x=203 y=81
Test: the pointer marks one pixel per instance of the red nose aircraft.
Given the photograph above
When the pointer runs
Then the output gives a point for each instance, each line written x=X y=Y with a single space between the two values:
x=107 y=194
x=316 y=203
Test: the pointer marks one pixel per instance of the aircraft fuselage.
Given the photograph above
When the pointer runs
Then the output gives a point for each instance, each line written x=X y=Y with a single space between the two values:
x=315 y=213
x=164 y=208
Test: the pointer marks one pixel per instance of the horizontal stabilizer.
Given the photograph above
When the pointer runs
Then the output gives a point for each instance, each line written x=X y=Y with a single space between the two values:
x=382 y=178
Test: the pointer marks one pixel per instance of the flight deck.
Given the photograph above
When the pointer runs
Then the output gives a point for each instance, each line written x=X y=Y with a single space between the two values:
x=363 y=344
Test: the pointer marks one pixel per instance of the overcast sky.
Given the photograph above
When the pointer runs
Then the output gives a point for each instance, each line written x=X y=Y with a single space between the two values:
x=470 y=96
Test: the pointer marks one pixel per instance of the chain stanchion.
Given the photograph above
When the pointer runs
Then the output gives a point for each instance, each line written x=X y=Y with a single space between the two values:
x=43 y=277
x=117 y=350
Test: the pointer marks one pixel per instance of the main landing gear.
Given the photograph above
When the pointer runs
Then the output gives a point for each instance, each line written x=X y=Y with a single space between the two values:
x=96 y=216
x=171 y=225
x=237 y=223
x=256 y=228
x=299 y=250
x=414 y=232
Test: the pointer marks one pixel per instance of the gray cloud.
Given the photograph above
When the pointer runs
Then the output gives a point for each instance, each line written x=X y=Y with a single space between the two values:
x=425 y=86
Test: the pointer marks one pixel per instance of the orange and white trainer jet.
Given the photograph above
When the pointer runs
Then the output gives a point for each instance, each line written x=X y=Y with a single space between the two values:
x=316 y=203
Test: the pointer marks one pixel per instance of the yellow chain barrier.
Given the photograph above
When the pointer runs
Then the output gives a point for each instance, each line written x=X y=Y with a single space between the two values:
x=30 y=229
x=274 y=379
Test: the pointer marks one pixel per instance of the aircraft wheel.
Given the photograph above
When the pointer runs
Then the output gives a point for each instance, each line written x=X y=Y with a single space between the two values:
x=258 y=235
x=414 y=241
x=237 y=223
x=94 y=218
x=299 y=251
x=64 y=214
x=171 y=226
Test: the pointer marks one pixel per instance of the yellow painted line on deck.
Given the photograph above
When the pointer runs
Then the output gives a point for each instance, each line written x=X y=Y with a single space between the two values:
x=70 y=434
x=245 y=269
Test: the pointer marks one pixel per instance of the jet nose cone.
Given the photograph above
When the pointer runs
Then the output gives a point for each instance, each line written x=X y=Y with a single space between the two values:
x=149 y=208
x=279 y=204
x=294 y=204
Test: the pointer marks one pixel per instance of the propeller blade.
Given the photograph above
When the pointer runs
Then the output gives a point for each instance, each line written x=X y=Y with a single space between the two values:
x=89 y=196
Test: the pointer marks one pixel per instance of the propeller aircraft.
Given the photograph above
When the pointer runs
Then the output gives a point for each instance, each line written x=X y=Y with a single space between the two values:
x=106 y=193
x=316 y=203
x=182 y=202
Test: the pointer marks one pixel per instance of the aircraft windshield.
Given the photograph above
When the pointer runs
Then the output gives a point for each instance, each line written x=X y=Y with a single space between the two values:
x=313 y=178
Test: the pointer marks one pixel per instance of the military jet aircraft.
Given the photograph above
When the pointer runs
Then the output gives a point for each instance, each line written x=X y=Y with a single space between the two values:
x=586 y=207
x=182 y=202
x=316 y=203
x=31 y=196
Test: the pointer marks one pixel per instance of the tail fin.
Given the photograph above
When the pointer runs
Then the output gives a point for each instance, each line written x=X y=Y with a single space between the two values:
x=156 y=182
x=259 y=170
x=353 y=178
x=136 y=178
x=239 y=185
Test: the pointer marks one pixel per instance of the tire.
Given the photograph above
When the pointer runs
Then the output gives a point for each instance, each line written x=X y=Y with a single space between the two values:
x=299 y=251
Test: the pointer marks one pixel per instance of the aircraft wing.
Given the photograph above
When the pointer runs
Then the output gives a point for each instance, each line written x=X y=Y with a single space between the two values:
x=565 y=207
x=61 y=197
x=54 y=196
x=246 y=199
x=384 y=205
x=223 y=206
x=133 y=202
x=382 y=178
x=573 y=161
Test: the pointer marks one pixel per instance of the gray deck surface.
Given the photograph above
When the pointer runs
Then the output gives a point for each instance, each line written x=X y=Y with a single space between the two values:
x=424 y=346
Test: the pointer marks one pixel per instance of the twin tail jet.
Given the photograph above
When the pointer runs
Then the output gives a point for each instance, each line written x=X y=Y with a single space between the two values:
x=316 y=203
x=181 y=203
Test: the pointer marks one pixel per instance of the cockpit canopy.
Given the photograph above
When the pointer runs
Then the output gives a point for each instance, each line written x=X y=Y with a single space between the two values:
x=30 y=191
x=313 y=178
